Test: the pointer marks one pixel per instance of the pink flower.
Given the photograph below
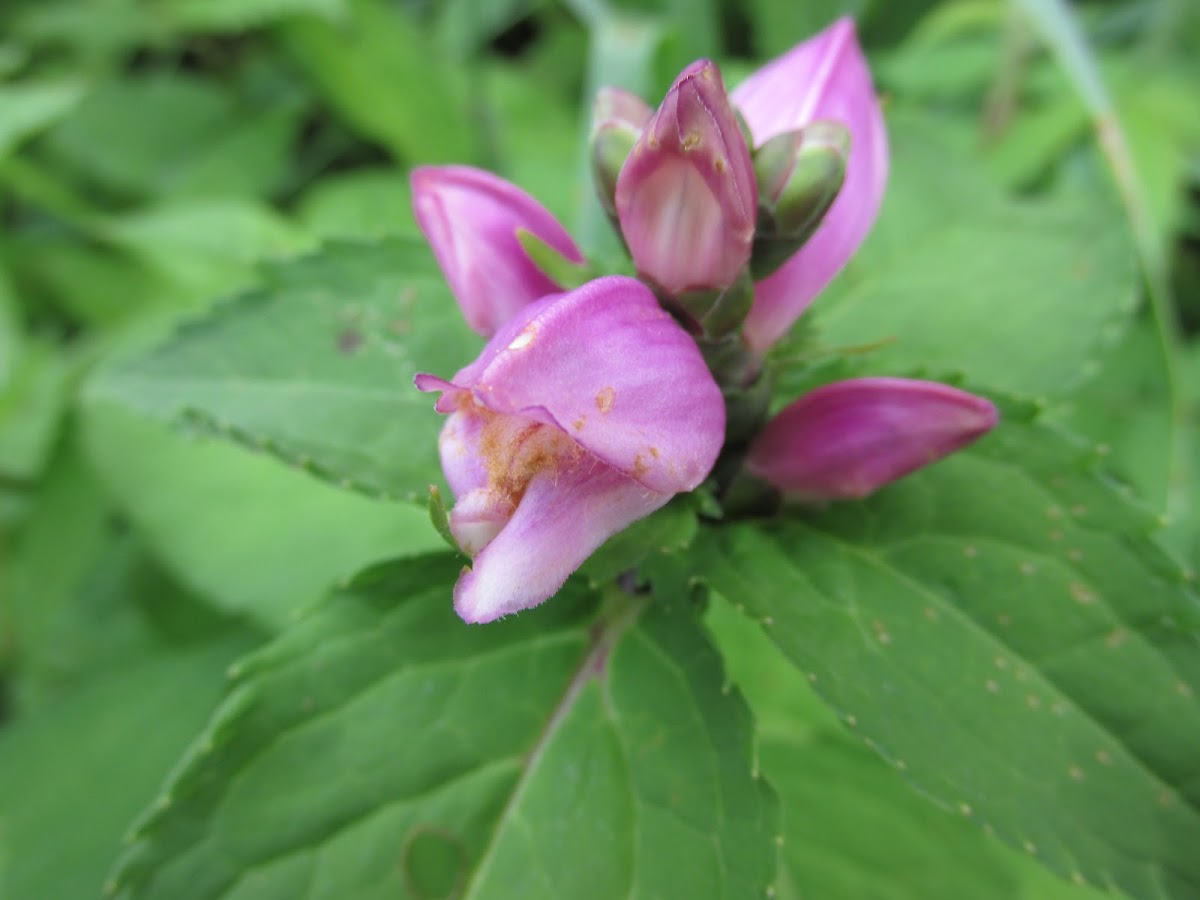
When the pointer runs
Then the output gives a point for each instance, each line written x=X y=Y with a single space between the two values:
x=824 y=78
x=686 y=197
x=471 y=219
x=849 y=438
x=584 y=413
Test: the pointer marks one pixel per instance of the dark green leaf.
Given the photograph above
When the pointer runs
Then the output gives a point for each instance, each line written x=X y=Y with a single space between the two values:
x=317 y=366
x=381 y=748
x=1002 y=629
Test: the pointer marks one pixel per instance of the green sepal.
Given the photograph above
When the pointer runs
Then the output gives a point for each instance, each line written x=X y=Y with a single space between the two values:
x=441 y=518
x=556 y=266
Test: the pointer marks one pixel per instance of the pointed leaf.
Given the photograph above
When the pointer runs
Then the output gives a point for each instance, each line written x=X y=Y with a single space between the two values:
x=316 y=366
x=1002 y=629
x=382 y=748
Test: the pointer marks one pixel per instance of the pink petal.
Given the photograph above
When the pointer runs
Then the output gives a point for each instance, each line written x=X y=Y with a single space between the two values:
x=823 y=78
x=470 y=218
x=686 y=196
x=614 y=372
x=849 y=438
x=562 y=518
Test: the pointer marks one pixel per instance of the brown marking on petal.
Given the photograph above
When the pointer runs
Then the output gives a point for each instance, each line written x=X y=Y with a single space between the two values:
x=690 y=142
x=719 y=163
x=604 y=399
x=654 y=451
x=639 y=466
x=580 y=422
x=514 y=449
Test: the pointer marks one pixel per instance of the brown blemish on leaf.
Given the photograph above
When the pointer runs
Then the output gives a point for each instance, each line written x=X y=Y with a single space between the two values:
x=349 y=341
x=604 y=399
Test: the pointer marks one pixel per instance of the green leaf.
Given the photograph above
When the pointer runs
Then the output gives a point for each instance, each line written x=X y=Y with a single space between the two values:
x=27 y=108
x=316 y=366
x=206 y=247
x=254 y=536
x=31 y=408
x=853 y=827
x=1001 y=628
x=232 y=16
x=171 y=134
x=365 y=204
x=1016 y=295
x=74 y=775
x=382 y=748
x=388 y=80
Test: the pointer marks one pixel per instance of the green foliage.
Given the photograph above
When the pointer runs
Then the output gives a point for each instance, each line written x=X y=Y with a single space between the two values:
x=605 y=749
x=956 y=275
x=212 y=289
x=326 y=384
x=1003 y=632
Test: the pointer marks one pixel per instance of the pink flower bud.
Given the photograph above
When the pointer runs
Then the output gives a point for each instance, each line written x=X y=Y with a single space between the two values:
x=823 y=78
x=584 y=413
x=849 y=438
x=686 y=197
x=471 y=219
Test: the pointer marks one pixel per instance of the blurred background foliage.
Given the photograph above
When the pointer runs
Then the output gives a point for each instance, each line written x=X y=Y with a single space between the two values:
x=154 y=152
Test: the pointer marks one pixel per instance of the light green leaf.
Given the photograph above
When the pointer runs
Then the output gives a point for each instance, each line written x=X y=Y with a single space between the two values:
x=232 y=16
x=252 y=535
x=27 y=108
x=363 y=205
x=1017 y=295
x=1002 y=629
x=31 y=407
x=382 y=748
x=388 y=80
x=74 y=775
x=206 y=247
x=169 y=134
x=317 y=366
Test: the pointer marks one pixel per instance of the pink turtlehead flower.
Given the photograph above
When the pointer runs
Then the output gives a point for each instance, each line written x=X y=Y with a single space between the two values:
x=471 y=219
x=686 y=197
x=584 y=413
x=849 y=438
x=824 y=78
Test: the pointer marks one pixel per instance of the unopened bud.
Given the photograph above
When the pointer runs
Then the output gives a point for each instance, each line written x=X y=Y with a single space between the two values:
x=799 y=174
x=850 y=438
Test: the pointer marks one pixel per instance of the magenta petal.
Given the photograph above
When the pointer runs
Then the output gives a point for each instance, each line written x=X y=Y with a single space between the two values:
x=686 y=197
x=562 y=518
x=848 y=439
x=823 y=78
x=471 y=218
x=609 y=368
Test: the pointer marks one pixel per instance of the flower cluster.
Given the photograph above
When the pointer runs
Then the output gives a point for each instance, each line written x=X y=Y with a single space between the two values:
x=591 y=407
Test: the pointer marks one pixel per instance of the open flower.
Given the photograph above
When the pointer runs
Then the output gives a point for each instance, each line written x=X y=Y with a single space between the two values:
x=850 y=438
x=585 y=412
x=823 y=79
x=471 y=219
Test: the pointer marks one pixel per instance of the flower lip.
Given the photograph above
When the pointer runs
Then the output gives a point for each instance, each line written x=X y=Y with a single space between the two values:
x=567 y=362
